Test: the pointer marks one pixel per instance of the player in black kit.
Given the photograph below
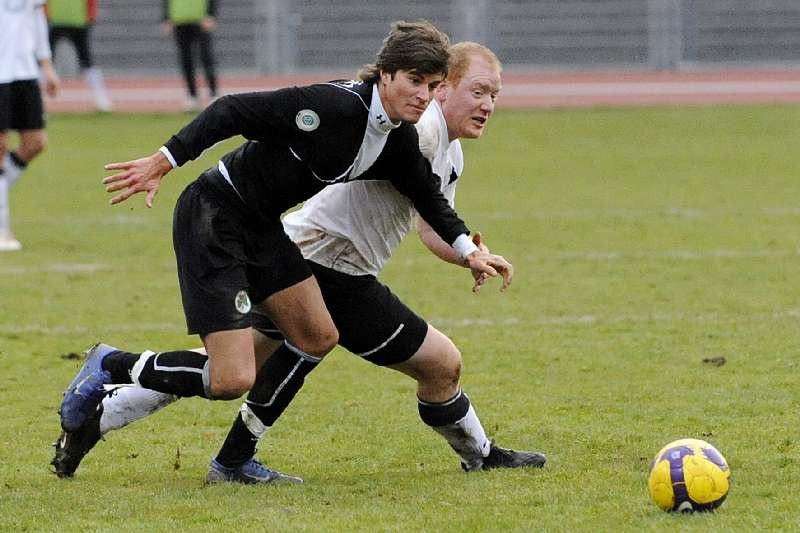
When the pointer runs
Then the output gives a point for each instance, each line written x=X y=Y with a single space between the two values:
x=231 y=250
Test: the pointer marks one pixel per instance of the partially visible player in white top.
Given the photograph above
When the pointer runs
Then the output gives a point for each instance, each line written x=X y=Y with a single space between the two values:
x=24 y=50
x=353 y=229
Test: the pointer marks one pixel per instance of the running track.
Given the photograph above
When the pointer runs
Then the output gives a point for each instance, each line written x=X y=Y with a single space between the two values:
x=519 y=89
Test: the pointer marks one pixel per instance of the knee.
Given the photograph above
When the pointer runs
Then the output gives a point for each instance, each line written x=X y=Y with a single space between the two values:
x=32 y=147
x=451 y=366
x=444 y=371
x=320 y=342
x=231 y=386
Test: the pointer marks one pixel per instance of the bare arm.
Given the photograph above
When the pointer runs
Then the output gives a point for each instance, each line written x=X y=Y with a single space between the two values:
x=438 y=247
x=44 y=56
x=446 y=253
x=52 y=83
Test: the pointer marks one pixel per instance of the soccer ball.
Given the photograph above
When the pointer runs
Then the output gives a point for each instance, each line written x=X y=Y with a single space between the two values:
x=689 y=475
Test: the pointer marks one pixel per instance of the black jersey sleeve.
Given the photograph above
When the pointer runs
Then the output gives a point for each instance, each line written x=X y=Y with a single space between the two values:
x=263 y=116
x=411 y=174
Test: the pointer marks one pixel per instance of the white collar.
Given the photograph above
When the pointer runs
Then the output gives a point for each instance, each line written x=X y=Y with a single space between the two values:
x=378 y=119
x=444 y=136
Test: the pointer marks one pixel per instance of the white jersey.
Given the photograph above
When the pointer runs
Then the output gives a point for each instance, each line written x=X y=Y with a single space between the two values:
x=355 y=227
x=23 y=39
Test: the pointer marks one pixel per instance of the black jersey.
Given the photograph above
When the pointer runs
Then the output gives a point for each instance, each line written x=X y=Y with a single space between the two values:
x=301 y=139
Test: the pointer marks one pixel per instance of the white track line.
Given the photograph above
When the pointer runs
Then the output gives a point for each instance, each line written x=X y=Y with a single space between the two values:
x=578 y=255
x=598 y=255
x=633 y=213
x=57 y=268
x=591 y=319
x=78 y=329
x=449 y=322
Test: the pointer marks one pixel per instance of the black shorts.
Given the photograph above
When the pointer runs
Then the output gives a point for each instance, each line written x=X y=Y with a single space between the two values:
x=21 y=106
x=79 y=37
x=226 y=260
x=373 y=323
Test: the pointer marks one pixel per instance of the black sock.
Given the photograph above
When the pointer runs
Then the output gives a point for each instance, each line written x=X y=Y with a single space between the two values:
x=277 y=383
x=445 y=413
x=239 y=446
x=183 y=373
x=17 y=159
x=119 y=364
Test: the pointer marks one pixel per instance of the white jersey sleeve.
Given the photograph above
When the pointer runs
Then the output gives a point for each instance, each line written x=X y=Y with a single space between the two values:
x=42 y=35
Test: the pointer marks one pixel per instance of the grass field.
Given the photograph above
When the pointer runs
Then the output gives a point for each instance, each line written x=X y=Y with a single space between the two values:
x=644 y=241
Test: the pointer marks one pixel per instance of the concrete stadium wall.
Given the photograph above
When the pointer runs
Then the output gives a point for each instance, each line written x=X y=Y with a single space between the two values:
x=285 y=36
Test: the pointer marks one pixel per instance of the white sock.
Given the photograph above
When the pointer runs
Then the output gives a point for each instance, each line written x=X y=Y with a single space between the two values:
x=467 y=436
x=129 y=404
x=11 y=170
x=94 y=78
x=5 y=214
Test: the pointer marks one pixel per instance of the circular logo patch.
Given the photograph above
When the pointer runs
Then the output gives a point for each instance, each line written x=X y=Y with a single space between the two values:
x=307 y=120
x=242 y=302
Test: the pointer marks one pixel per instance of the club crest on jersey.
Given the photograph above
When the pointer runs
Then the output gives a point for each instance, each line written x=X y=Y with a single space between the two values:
x=242 y=302
x=307 y=120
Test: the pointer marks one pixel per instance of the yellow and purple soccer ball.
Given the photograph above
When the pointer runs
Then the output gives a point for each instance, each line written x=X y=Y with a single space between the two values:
x=689 y=475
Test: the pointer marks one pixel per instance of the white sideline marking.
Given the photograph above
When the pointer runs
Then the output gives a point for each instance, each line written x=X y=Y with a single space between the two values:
x=596 y=255
x=590 y=319
x=633 y=213
x=63 y=329
x=62 y=268
x=542 y=321
x=669 y=255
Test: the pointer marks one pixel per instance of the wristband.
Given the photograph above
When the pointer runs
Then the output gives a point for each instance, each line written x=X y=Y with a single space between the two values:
x=464 y=246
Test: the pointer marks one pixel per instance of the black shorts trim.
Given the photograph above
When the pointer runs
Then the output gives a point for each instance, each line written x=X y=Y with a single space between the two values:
x=227 y=262
x=373 y=323
x=21 y=106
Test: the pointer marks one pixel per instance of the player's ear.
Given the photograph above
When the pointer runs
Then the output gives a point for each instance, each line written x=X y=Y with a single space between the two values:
x=442 y=91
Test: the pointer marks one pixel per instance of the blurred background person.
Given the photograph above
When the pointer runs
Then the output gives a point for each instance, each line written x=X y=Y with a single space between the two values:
x=192 y=22
x=24 y=50
x=73 y=20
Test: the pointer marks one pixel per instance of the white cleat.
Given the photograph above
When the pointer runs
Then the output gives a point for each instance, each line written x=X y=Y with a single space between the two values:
x=8 y=243
x=104 y=105
x=191 y=105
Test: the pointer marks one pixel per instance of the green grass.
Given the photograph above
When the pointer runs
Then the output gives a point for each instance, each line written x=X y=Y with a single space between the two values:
x=644 y=240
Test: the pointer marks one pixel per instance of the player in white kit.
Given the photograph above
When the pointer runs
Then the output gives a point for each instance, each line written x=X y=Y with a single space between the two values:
x=346 y=254
x=24 y=50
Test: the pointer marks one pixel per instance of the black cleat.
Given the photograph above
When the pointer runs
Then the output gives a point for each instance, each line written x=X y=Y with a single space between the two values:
x=72 y=447
x=506 y=458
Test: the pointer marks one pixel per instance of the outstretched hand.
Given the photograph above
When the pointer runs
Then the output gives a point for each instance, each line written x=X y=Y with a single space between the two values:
x=139 y=175
x=485 y=265
x=479 y=277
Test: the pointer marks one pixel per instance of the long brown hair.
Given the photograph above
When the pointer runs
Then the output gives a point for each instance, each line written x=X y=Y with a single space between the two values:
x=419 y=46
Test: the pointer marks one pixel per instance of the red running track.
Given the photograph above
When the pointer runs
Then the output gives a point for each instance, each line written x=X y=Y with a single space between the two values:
x=520 y=89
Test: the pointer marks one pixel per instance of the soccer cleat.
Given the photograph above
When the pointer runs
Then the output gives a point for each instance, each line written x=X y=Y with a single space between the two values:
x=250 y=472
x=8 y=243
x=505 y=458
x=71 y=448
x=191 y=104
x=103 y=104
x=86 y=391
